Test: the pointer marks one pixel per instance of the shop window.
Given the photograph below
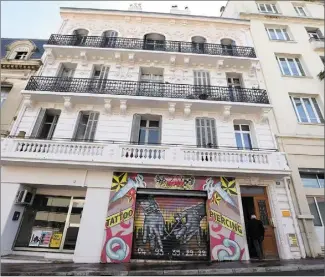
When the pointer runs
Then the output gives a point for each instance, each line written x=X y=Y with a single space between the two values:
x=146 y=129
x=46 y=123
x=86 y=126
x=312 y=180
x=51 y=222
x=317 y=209
x=206 y=132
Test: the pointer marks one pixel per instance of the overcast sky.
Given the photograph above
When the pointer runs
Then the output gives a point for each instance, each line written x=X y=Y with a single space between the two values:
x=40 y=19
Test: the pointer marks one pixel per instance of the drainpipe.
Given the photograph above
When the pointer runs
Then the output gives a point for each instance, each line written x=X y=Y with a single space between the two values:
x=295 y=223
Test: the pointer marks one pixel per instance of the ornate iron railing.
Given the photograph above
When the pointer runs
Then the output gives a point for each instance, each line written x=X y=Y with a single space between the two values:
x=149 y=89
x=156 y=45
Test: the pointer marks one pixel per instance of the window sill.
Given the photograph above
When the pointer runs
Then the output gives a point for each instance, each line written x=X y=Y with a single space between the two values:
x=279 y=40
x=299 y=77
x=311 y=124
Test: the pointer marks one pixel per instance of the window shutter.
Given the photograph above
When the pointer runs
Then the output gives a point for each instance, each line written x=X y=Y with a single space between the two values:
x=77 y=126
x=135 y=128
x=160 y=127
x=319 y=33
x=38 y=123
x=205 y=132
x=196 y=83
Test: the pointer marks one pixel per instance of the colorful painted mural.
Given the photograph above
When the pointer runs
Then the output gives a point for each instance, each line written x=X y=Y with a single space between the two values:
x=178 y=227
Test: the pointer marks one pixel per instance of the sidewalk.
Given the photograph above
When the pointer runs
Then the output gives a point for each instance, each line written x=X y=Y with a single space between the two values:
x=146 y=269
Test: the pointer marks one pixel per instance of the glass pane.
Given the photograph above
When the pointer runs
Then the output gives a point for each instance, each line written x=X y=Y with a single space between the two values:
x=268 y=7
x=245 y=127
x=263 y=212
x=300 y=67
x=284 y=66
x=153 y=137
x=71 y=238
x=286 y=34
x=313 y=210
x=236 y=127
x=300 y=109
x=301 y=10
x=272 y=34
x=319 y=113
x=43 y=222
x=321 y=180
x=262 y=8
x=321 y=206
x=142 y=136
x=238 y=140
x=247 y=141
x=309 y=180
x=143 y=123
x=274 y=8
x=280 y=35
x=310 y=111
x=251 y=190
x=293 y=67
x=153 y=123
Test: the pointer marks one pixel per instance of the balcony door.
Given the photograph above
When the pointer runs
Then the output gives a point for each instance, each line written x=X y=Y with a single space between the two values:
x=99 y=79
x=202 y=84
x=234 y=83
x=65 y=75
x=151 y=82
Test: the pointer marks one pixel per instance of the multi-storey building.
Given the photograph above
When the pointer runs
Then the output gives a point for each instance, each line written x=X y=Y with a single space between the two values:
x=146 y=136
x=289 y=41
x=20 y=59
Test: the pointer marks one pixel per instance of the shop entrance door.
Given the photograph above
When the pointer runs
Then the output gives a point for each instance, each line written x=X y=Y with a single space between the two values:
x=255 y=201
x=72 y=224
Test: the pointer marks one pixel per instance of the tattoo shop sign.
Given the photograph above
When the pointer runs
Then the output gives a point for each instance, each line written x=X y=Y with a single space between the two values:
x=226 y=222
x=117 y=218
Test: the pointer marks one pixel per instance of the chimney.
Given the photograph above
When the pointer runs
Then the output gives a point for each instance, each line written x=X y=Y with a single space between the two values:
x=135 y=7
x=174 y=9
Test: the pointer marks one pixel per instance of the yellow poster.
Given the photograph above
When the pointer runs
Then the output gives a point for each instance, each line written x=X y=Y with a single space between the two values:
x=56 y=240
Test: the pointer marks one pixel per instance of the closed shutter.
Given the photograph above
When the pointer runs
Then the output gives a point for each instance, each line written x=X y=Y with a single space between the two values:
x=87 y=130
x=170 y=228
x=38 y=124
x=135 y=128
x=202 y=78
x=206 y=132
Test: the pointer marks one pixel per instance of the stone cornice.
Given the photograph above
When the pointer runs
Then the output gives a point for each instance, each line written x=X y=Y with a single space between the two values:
x=20 y=64
x=277 y=17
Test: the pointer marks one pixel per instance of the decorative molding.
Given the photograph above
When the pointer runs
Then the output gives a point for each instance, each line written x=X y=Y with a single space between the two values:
x=117 y=56
x=220 y=64
x=171 y=109
x=108 y=105
x=84 y=58
x=123 y=107
x=131 y=59
x=67 y=103
x=187 y=110
x=28 y=103
x=50 y=56
x=226 y=112
x=172 y=60
x=264 y=115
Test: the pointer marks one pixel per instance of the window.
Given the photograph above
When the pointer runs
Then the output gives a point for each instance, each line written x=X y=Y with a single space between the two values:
x=267 y=8
x=300 y=10
x=99 y=78
x=45 y=124
x=155 y=76
x=67 y=70
x=278 y=34
x=21 y=55
x=290 y=66
x=4 y=93
x=146 y=129
x=206 y=132
x=243 y=136
x=86 y=126
x=312 y=180
x=317 y=209
x=202 y=84
x=307 y=109
x=323 y=59
x=314 y=33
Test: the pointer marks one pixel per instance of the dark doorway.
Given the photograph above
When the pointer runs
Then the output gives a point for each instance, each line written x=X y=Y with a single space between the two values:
x=249 y=209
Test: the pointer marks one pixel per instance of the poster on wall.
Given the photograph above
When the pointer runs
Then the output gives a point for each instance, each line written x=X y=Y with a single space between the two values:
x=45 y=239
x=56 y=240
x=35 y=238
x=127 y=227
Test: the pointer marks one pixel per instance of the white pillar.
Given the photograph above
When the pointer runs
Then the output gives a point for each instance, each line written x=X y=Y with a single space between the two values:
x=92 y=226
x=9 y=227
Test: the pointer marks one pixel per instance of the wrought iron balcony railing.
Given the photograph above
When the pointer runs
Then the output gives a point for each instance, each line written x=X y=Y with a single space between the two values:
x=148 y=89
x=156 y=45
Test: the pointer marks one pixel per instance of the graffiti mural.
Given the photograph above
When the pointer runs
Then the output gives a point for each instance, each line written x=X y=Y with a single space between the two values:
x=170 y=227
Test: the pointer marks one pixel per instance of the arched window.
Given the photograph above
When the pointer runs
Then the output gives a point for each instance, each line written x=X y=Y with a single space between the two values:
x=228 y=46
x=154 y=41
x=198 y=44
x=109 y=38
x=80 y=36
x=20 y=50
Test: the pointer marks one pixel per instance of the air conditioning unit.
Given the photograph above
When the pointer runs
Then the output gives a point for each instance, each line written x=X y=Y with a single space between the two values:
x=25 y=197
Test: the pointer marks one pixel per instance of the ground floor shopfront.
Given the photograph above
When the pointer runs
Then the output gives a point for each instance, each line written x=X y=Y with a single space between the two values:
x=113 y=217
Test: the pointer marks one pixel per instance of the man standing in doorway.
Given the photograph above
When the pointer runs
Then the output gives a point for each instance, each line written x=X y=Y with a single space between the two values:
x=255 y=231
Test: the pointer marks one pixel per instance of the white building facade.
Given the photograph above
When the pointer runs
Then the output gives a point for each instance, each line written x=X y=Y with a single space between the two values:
x=146 y=136
x=289 y=40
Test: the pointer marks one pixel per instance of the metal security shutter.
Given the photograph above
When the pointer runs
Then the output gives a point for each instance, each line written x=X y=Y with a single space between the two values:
x=170 y=227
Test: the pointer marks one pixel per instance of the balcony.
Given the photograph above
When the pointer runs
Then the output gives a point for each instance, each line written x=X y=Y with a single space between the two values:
x=317 y=43
x=135 y=89
x=150 y=157
x=152 y=45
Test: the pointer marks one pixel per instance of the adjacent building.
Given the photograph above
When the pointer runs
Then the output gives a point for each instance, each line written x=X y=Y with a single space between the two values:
x=20 y=59
x=146 y=136
x=289 y=41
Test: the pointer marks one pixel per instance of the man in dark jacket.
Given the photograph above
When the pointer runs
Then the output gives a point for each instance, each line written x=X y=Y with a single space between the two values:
x=255 y=231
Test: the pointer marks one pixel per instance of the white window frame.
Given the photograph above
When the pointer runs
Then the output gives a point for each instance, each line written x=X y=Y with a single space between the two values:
x=147 y=128
x=241 y=132
x=305 y=110
x=272 y=5
x=301 y=73
x=284 y=32
x=318 y=211
x=299 y=12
